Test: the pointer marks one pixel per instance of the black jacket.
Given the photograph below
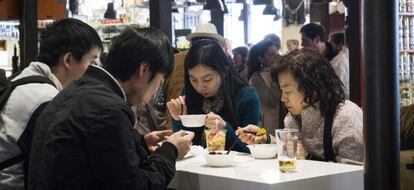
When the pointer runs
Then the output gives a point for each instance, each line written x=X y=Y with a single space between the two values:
x=84 y=139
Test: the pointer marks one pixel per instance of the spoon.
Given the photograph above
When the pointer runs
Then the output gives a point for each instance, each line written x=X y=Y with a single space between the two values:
x=232 y=145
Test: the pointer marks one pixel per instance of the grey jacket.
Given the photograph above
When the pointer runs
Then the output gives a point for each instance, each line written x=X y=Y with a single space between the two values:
x=347 y=134
x=15 y=115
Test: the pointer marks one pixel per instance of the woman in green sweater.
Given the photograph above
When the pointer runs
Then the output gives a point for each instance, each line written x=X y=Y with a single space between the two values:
x=213 y=87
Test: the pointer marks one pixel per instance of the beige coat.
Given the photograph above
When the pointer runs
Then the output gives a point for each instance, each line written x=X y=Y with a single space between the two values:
x=175 y=82
x=271 y=108
x=347 y=132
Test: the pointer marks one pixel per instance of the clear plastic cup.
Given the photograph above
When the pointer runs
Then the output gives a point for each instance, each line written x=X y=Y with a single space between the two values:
x=216 y=139
x=287 y=143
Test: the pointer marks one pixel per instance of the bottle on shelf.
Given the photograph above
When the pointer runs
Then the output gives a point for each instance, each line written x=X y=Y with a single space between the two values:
x=15 y=61
x=409 y=6
x=405 y=80
x=406 y=28
x=402 y=7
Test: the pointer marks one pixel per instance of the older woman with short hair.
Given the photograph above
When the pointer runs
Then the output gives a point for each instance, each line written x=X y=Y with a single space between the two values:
x=331 y=128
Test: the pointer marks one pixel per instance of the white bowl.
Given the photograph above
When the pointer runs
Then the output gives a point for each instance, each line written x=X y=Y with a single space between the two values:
x=193 y=120
x=263 y=151
x=220 y=160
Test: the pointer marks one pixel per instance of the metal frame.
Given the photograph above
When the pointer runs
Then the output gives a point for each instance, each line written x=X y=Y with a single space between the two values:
x=381 y=101
x=28 y=33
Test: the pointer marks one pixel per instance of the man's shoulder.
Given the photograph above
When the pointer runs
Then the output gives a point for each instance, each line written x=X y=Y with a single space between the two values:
x=31 y=94
x=87 y=105
x=349 y=112
x=92 y=93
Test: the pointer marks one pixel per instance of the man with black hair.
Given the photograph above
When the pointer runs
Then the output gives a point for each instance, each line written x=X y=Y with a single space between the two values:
x=314 y=37
x=84 y=138
x=67 y=48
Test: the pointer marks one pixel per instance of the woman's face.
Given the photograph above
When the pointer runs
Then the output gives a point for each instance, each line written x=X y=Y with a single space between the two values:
x=205 y=80
x=291 y=96
x=238 y=60
x=270 y=57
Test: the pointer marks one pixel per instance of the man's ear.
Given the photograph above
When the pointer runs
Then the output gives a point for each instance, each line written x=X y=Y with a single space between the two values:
x=143 y=68
x=67 y=59
x=317 y=39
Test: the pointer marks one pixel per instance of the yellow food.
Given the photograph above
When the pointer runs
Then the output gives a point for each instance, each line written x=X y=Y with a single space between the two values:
x=215 y=140
x=261 y=131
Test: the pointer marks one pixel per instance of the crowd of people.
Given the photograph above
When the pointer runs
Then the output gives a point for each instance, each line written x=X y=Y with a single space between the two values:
x=93 y=127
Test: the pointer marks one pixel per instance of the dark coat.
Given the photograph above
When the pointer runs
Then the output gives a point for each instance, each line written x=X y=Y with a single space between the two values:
x=84 y=139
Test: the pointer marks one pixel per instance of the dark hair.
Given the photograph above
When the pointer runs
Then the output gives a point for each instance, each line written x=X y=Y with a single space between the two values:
x=209 y=53
x=330 y=52
x=274 y=38
x=196 y=39
x=338 y=38
x=316 y=77
x=67 y=35
x=139 y=45
x=313 y=30
x=258 y=50
x=242 y=50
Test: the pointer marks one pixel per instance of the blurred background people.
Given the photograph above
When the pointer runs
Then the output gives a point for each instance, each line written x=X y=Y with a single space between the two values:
x=314 y=37
x=261 y=58
x=240 y=55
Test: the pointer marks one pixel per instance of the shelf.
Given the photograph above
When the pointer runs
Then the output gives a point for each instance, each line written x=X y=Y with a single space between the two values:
x=406 y=14
x=407 y=51
x=111 y=24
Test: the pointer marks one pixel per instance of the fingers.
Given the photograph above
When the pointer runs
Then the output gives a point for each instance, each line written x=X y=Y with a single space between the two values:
x=172 y=108
x=239 y=130
x=247 y=138
x=248 y=135
x=180 y=133
x=177 y=107
x=301 y=152
x=188 y=135
x=212 y=116
x=164 y=134
x=251 y=128
x=182 y=141
x=214 y=121
x=260 y=139
x=210 y=123
x=182 y=102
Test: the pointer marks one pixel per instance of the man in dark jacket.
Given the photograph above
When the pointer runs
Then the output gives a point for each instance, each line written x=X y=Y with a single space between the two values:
x=84 y=138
